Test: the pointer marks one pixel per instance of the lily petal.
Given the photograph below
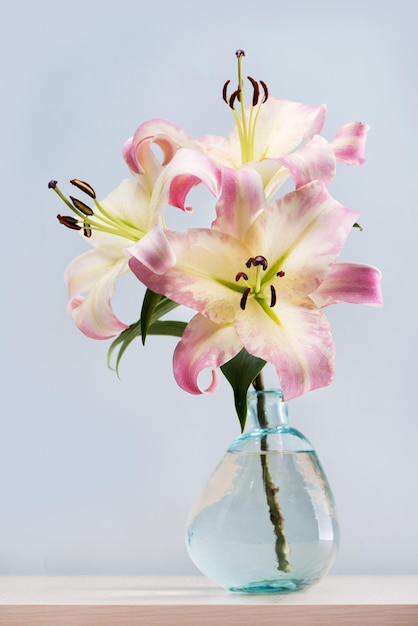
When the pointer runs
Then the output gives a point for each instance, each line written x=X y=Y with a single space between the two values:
x=95 y=272
x=225 y=152
x=203 y=345
x=313 y=161
x=272 y=172
x=137 y=150
x=153 y=251
x=301 y=234
x=129 y=205
x=203 y=273
x=241 y=200
x=349 y=143
x=295 y=338
x=187 y=169
x=349 y=282
x=282 y=125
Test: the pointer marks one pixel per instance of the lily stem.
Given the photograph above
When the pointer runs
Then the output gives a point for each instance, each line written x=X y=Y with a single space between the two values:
x=271 y=490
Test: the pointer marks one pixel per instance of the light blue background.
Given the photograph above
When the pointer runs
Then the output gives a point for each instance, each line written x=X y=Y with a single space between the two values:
x=97 y=474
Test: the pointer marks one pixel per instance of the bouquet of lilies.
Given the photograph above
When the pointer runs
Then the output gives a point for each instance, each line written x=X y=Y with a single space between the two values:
x=258 y=275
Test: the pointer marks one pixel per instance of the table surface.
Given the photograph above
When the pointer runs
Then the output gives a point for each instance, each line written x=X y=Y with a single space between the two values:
x=195 y=601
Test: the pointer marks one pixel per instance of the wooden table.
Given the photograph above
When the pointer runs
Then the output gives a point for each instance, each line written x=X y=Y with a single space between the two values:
x=194 y=601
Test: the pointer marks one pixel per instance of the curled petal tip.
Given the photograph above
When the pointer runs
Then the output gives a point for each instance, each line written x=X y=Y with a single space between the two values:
x=214 y=383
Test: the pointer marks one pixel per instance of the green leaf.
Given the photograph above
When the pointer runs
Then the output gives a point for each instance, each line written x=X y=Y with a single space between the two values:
x=122 y=341
x=154 y=306
x=173 y=328
x=167 y=327
x=164 y=306
x=149 y=303
x=240 y=372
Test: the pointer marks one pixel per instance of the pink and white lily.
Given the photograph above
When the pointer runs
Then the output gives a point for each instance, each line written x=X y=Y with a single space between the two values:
x=281 y=139
x=117 y=222
x=258 y=279
x=95 y=272
x=277 y=138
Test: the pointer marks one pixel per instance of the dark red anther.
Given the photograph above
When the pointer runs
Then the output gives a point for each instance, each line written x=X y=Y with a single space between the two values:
x=225 y=91
x=87 y=230
x=241 y=275
x=260 y=260
x=265 y=89
x=233 y=97
x=81 y=206
x=69 y=222
x=52 y=184
x=256 y=88
x=281 y=273
x=240 y=53
x=244 y=298
x=273 y=296
x=80 y=184
x=250 y=262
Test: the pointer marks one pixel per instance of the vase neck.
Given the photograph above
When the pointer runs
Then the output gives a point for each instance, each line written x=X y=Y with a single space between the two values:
x=267 y=410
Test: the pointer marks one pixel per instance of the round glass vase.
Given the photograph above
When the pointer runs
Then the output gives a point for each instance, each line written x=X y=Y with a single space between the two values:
x=266 y=520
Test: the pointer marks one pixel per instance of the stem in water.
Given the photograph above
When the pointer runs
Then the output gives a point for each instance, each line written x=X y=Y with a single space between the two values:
x=271 y=490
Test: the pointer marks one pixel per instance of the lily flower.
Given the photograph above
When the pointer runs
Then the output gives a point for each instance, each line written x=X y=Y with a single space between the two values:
x=258 y=279
x=113 y=225
x=278 y=138
x=94 y=273
x=268 y=134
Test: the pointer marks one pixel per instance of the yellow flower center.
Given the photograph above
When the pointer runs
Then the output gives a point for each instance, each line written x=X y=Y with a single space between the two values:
x=260 y=264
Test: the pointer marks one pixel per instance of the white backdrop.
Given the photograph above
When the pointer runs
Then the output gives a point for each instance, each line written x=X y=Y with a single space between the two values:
x=97 y=474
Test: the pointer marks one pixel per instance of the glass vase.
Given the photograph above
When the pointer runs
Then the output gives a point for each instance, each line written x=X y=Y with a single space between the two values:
x=266 y=520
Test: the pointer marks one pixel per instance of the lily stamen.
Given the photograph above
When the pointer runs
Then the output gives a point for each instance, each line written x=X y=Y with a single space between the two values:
x=81 y=206
x=258 y=281
x=69 y=222
x=245 y=121
x=88 y=189
x=256 y=92
x=244 y=298
x=266 y=91
x=273 y=296
x=103 y=221
x=234 y=96
x=225 y=92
